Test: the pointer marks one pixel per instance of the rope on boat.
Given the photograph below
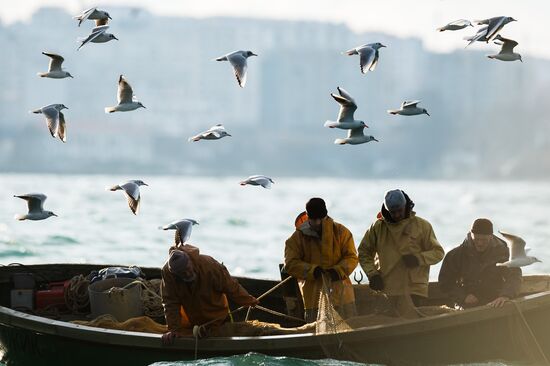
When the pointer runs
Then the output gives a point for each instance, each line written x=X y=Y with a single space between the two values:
x=76 y=294
x=531 y=333
x=152 y=301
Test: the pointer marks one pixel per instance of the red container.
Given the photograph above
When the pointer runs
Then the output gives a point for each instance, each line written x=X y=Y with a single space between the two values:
x=54 y=297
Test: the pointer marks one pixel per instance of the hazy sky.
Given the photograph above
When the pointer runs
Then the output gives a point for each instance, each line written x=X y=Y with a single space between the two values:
x=398 y=17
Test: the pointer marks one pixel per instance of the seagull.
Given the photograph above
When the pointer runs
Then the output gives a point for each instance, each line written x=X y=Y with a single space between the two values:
x=35 y=202
x=126 y=99
x=494 y=25
x=507 y=50
x=368 y=55
x=98 y=35
x=409 y=108
x=213 y=133
x=183 y=229
x=456 y=25
x=258 y=180
x=55 y=120
x=345 y=116
x=238 y=61
x=54 y=70
x=100 y=16
x=355 y=137
x=478 y=37
x=131 y=190
x=518 y=258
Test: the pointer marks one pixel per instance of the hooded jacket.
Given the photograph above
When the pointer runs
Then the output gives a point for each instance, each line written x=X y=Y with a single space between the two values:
x=194 y=303
x=305 y=250
x=466 y=271
x=386 y=241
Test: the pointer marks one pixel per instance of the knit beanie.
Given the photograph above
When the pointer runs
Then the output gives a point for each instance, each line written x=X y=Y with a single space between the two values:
x=316 y=208
x=482 y=226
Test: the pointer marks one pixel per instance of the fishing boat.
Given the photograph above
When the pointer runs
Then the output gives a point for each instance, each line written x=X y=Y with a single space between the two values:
x=517 y=332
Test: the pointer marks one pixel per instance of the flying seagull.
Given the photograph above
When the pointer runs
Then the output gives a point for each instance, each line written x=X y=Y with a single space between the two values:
x=125 y=97
x=348 y=106
x=35 y=203
x=494 y=25
x=100 y=16
x=55 y=120
x=213 y=133
x=54 y=70
x=258 y=180
x=355 y=137
x=456 y=25
x=183 y=229
x=237 y=59
x=507 y=50
x=409 y=108
x=131 y=190
x=518 y=258
x=98 y=35
x=368 y=55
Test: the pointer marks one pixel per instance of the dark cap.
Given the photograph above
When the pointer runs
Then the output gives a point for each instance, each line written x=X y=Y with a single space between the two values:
x=316 y=208
x=482 y=226
x=179 y=262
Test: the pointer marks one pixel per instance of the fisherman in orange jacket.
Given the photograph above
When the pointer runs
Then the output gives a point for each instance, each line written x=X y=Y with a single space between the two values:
x=194 y=291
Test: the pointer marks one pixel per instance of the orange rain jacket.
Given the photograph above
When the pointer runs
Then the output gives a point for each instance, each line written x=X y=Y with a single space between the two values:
x=304 y=251
x=194 y=303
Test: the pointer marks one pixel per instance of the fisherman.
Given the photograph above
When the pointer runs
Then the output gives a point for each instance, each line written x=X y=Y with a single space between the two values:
x=405 y=246
x=194 y=291
x=469 y=274
x=321 y=251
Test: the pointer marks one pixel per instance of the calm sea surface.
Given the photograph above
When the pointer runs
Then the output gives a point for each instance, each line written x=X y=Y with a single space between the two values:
x=245 y=227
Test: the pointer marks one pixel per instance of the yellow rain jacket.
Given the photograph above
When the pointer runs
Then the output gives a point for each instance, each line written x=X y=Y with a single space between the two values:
x=385 y=242
x=304 y=251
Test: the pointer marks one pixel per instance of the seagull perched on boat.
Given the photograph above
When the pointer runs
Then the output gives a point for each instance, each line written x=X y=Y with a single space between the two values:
x=35 y=203
x=348 y=106
x=355 y=137
x=54 y=70
x=409 y=108
x=507 y=50
x=183 y=229
x=213 y=133
x=237 y=59
x=494 y=25
x=125 y=97
x=258 y=180
x=100 y=16
x=368 y=55
x=98 y=35
x=55 y=120
x=131 y=190
x=518 y=258
x=456 y=25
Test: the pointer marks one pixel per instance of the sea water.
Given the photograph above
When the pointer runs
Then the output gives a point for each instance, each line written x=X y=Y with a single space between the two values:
x=245 y=227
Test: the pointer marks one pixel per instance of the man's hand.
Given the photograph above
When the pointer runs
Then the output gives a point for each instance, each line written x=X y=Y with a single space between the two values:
x=498 y=302
x=317 y=272
x=471 y=300
x=410 y=260
x=169 y=337
x=376 y=283
x=253 y=302
x=334 y=275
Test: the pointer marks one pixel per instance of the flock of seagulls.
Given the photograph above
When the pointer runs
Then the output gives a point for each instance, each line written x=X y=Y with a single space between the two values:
x=368 y=60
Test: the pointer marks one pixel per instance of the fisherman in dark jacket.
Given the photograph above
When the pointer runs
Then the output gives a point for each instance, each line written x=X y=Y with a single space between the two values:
x=469 y=275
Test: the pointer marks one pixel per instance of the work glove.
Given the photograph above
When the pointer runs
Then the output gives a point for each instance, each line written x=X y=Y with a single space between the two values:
x=410 y=260
x=317 y=272
x=334 y=275
x=376 y=283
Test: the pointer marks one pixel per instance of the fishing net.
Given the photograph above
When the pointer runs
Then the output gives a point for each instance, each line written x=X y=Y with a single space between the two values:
x=329 y=321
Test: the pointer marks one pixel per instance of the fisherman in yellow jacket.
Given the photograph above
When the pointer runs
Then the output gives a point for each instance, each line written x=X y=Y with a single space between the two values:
x=398 y=249
x=321 y=247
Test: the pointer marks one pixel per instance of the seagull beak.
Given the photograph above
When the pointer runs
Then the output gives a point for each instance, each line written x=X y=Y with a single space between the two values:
x=427 y=113
x=229 y=135
x=54 y=215
x=108 y=16
x=382 y=45
x=115 y=38
x=254 y=54
x=144 y=106
x=375 y=140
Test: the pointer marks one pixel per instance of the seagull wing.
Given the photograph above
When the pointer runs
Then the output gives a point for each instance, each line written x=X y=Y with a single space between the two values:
x=409 y=103
x=367 y=59
x=125 y=92
x=495 y=25
x=35 y=201
x=132 y=194
x=507 y=45
x=347 y=105
x=52 y=118
x=55 y=61
x=183 y=230
x=239 y=64
x=479 y=36
x=355 y=132
x=517 y=245
x=84 y=15
x=62 y=130
x=95 y=33
x=262 y=181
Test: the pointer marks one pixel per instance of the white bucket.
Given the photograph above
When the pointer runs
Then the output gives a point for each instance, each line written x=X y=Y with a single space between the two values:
x=109 y=297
